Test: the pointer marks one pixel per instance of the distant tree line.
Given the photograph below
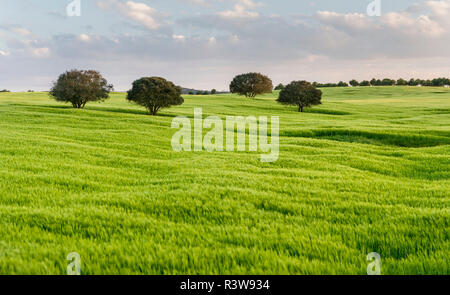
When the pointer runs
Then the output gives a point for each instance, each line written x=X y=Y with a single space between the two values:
x=340 y=84
x=437 y=82
x=205 y=92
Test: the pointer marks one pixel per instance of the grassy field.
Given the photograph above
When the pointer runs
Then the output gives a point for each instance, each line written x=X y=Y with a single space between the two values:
x=367 y=171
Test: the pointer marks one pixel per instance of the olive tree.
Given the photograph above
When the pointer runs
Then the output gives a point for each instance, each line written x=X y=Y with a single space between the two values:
x=251 y=84
x=155 y=93
x=300 y=93
x=80 y=87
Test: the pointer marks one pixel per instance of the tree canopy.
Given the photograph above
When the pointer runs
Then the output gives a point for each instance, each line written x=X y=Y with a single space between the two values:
x=80 y=87
x=251 y=84
x=401 y=82
x=155 y=93
x=300 y=93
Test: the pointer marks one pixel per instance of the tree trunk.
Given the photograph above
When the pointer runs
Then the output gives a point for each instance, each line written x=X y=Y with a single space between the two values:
x=300 y=109
x=153 y=111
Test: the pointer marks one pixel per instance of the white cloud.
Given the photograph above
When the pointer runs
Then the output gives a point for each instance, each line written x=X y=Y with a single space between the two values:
x=239 y=11
x=84 y=37
x=21 y=31
x=440 y=9
x=137 y=11
x=430 y=20
x=178 y=37
x=41 y=52
x=247 y=3
x=350 y=21
x=406 y=24
x=250 y=3
x=212 y=41
x=196 y=2
x=141 y=13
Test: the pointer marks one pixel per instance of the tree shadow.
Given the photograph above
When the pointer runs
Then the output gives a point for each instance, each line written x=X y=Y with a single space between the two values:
x=37 y=106
x=56 y=107
x=326 y=112
x=106 y=109
x=117 y=110
x=374 y=138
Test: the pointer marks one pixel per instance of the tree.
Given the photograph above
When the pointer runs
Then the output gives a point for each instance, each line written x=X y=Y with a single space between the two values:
x=191 y=93
x=300 y=93
x=440 y=81
x=364 y=83
x=326 y=85
x=412 y=82
x=402 y=82
x=205 y=92
x=342 y=84
x=214 y=91
x=279 y=87
x=376 y=82
x=251 y=84
x=155 y=93
x=387 y=82
x=354 y=83
x=80 y=87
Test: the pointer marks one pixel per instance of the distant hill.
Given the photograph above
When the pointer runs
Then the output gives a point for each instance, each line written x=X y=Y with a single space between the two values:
x=195 y=91
x=188 y=90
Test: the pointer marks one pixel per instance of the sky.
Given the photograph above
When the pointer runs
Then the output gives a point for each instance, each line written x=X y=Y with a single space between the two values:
x=203 y=44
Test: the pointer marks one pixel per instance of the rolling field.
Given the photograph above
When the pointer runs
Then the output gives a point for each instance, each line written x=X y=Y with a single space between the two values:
x=367 y=171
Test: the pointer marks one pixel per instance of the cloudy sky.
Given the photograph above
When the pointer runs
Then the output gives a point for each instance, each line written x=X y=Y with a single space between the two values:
x=203 y=43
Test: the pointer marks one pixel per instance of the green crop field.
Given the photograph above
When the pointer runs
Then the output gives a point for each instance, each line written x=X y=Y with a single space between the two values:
x=367 y=171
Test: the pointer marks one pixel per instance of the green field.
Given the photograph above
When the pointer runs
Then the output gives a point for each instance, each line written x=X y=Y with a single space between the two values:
x=367 y=171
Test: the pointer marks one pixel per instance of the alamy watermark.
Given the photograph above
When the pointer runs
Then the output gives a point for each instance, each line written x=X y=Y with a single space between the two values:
x=374 y=8
x=74 y=8
x=74 y=267
x=236 y=127
x=374 y=267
